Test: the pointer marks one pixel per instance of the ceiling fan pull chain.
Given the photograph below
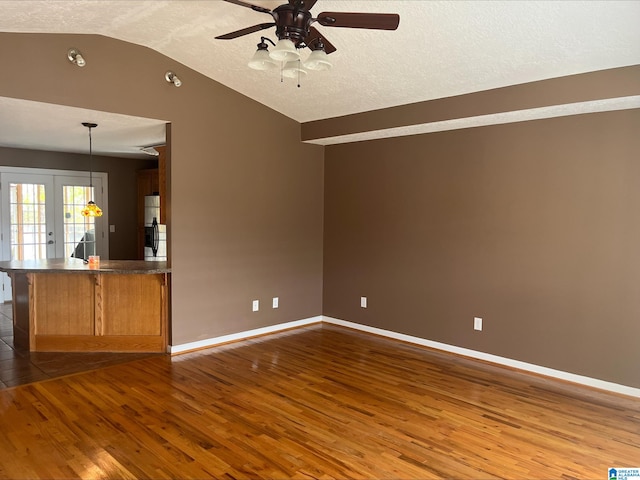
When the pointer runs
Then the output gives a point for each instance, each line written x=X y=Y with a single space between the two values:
x=299 y=67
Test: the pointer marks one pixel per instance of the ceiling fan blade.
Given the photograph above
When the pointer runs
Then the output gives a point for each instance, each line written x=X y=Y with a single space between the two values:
x=314 y=34
x=257 y=8
x=378 y=21
x=244 y=31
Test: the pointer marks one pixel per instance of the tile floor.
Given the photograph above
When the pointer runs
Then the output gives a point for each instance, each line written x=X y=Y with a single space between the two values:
x=20 y=367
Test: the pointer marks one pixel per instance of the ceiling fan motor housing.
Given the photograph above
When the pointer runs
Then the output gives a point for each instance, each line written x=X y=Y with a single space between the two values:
x=292 y=23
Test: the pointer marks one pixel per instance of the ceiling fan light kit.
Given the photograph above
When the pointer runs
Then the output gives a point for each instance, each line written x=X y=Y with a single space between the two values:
x=261 y=60
x=286 y=54
x=293 y=69
x=284 y=51
x=318 y=60
x=293 y=22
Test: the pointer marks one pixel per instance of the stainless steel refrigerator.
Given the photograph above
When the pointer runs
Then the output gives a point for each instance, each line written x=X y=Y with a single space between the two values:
x=155 y=234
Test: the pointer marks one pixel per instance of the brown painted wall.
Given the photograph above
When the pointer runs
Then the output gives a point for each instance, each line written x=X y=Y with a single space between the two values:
x=122 y=188
x=533 y=226
x=246 y=196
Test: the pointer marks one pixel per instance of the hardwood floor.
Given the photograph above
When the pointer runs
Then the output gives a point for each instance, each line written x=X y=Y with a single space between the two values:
x=319 y=402
x=21 y=367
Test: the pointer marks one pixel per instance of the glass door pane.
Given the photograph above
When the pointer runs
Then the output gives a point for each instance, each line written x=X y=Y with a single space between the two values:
x=79 y=234
x=27 y=204
x=27 y=220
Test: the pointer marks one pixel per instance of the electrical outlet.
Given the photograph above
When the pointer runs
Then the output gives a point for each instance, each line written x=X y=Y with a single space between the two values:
x=363 y=302
x=275 y=302
x=256 y=305
x=477 y=323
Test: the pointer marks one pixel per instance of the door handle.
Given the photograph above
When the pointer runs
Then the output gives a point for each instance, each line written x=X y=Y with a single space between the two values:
x=156 y=237
x=50 y=242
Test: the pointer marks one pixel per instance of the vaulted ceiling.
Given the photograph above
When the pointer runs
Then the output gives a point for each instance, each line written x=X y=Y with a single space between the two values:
x=441 y=48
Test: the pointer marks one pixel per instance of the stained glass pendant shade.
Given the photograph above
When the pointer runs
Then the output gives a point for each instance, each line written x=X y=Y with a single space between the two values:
x=91 y=210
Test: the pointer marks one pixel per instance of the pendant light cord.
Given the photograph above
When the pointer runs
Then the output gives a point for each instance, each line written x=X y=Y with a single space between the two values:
x=90 y=126
x=90 y=163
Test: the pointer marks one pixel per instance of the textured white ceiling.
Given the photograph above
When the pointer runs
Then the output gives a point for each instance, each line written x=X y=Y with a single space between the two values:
x=42 y=126
x=441 y=48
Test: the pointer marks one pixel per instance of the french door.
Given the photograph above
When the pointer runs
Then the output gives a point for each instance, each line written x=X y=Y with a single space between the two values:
x=40 y=218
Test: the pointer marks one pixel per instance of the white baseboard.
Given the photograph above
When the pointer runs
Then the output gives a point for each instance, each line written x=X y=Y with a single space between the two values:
x=234 y=337
x=508 y=362
x=529 y=367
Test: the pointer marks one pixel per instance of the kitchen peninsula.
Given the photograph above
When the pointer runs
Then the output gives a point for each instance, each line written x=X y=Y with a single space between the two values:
x=66 y=305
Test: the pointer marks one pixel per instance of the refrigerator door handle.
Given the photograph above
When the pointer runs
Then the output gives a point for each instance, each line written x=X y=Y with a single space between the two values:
x=155 y=237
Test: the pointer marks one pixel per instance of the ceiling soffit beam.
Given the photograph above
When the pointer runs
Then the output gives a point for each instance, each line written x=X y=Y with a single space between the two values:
x=605 y=86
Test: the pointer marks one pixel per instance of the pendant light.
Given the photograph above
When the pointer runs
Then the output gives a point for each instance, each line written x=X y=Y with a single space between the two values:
x=91 y=210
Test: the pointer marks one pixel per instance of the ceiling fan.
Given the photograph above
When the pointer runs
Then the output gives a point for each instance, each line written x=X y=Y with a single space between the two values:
x=293 y=22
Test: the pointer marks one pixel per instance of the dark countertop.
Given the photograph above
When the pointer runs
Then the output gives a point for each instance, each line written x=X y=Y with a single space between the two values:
x=75 y=265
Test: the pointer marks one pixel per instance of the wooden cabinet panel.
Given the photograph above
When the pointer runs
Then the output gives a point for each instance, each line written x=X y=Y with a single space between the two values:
x=20 y=296
x=63 y=304
x=92 y=312
x=148 y=182
x=132 y=304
